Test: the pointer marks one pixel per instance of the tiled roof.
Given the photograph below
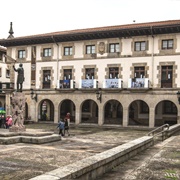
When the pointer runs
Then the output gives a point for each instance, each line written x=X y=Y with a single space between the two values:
x=127 y=30
x=109 y=28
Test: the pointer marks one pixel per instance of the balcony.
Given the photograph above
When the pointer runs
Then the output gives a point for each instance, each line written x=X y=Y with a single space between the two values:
x=138 y=83
x=6 y=86
x=112 y=83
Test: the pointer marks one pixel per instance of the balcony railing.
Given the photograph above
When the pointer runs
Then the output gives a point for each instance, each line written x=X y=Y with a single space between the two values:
x=138 y=83
x=113 y=83
x=6 y=85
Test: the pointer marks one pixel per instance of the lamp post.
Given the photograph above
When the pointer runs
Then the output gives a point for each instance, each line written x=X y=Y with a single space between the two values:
x=33 y=95
x=99 y=96
x=178 y=96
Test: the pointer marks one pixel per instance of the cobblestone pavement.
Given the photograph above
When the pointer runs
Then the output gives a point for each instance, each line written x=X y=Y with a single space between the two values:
x=160 y=162
x=24 y=161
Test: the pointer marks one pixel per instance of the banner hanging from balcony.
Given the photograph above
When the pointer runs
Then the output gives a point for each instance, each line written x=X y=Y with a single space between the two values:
x=138 y=83
x=64 y=84
x=111 y=83
x=87 y=83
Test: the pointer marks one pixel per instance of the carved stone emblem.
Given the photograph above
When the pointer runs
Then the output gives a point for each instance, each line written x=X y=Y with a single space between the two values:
x=101 y=48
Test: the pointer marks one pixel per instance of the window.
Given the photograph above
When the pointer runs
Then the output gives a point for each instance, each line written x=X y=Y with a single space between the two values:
x=139 y=72
x=68 y=51
x=140 y=46
x=114 y=48
x=90 y=49
x=113 y=73
x=7 y=73
x=21 y=54
x=89 y=73
x=67 y=74
x=167 y=44
x=46 y=79
x=166 y=76
x=47 y=52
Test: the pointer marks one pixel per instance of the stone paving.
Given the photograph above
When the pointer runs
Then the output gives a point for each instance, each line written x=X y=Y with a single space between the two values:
x=24 y=161
x=160 y=162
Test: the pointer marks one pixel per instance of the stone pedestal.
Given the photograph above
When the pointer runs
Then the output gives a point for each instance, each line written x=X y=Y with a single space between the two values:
x=18 y=107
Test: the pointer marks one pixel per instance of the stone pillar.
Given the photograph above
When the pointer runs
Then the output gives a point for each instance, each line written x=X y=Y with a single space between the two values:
x=151 y=117
x=178 y=119
x=125 y=117
x=78 y=116
x=56 y=117
x=8 y=101
x=100 y=116
x=18 y=107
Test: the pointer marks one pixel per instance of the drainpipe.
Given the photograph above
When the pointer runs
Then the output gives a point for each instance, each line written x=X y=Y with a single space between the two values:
x=152 y=57
x=57 y=83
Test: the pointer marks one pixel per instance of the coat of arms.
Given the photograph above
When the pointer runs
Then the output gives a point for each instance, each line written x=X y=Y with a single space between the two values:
x=101 y=48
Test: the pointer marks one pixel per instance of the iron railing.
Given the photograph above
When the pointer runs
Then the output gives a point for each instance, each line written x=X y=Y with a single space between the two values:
x=160 y=131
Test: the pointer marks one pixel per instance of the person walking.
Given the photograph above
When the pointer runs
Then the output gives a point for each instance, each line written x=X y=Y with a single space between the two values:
x=8 y=121
x=61 y=127
x=66 y=127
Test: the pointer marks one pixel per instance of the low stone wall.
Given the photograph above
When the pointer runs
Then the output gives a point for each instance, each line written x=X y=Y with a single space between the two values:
x=94 y=166
x=28 y=137
x=173 y=129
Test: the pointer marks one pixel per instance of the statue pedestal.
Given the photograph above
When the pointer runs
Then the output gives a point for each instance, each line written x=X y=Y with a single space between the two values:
x=18 y=107
x=17 y=129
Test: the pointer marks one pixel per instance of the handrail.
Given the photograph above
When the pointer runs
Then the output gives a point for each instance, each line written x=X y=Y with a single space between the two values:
x=163 y=129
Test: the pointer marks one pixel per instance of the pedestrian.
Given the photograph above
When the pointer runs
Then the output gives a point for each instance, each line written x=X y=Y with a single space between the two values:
x=8 y=121
x=66 y=127
x=68 y=117
x=61 y=127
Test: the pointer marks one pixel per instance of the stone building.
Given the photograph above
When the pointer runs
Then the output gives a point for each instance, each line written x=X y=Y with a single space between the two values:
x=126 y=75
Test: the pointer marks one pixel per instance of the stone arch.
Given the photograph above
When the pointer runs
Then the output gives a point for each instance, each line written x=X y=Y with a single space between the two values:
x=165 y=113
x=89 y=111
x=113 y=112
x=66 y=106
x=46 y=110
x=138 y=113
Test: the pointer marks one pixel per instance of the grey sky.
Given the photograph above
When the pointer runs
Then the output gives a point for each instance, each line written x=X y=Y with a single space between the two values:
x=31 y=17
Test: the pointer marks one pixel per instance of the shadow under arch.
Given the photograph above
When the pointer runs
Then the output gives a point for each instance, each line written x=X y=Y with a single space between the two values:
x=138 y=113
x=113 y=112
x=46 y=110
x=67 y=106
x=165 y=113
x=89 y=111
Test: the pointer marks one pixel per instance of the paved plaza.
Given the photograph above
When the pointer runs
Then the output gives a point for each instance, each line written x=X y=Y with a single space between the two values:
x=24 y=161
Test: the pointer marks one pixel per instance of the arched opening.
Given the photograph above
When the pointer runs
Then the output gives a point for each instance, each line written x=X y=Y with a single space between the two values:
x=67 y=106
x=165 y=113
x=89 y=110
x=46 y=110
x=113 y=113
x=139 y=113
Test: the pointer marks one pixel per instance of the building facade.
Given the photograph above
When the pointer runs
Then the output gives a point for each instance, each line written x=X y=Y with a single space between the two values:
x=125 y=75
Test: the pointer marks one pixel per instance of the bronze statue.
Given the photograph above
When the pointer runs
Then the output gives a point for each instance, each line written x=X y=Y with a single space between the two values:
x=20 y=77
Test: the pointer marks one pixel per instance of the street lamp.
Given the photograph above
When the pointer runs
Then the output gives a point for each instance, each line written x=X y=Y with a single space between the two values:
x=99 y=96
x=178 y=96
x=33 y=95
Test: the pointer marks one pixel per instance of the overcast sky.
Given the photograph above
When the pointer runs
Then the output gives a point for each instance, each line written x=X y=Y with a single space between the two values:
x=32 y=17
